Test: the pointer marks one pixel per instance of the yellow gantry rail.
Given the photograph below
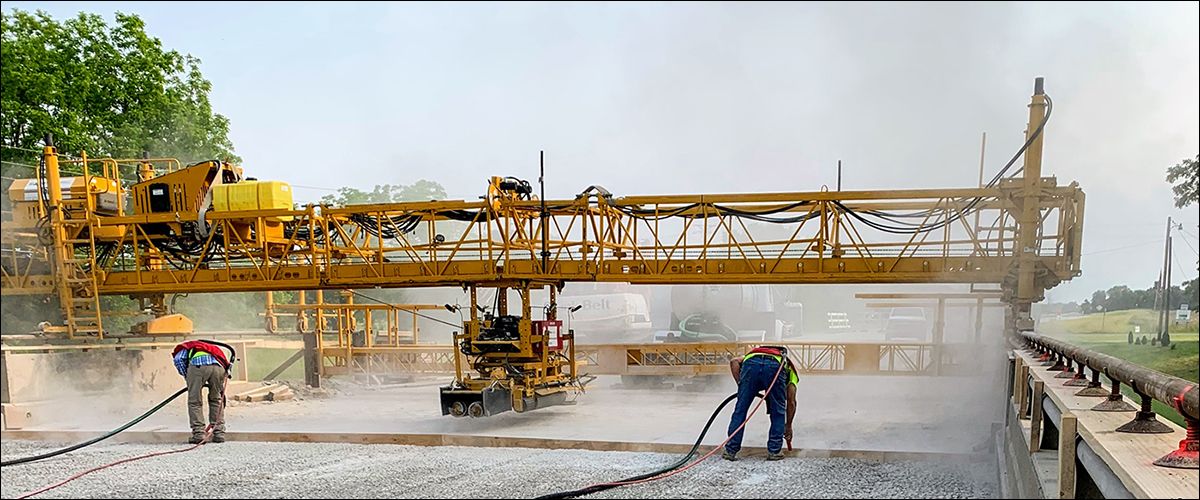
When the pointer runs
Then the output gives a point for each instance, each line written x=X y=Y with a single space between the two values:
x=808 y=237
x=1022 y=232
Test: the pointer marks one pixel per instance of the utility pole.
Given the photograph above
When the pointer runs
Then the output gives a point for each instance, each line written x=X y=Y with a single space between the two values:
x=1164 y=320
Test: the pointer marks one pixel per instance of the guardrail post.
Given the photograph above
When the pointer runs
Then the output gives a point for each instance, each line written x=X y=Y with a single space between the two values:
x=1079 y=379
x=1018 y=363
x=1145 y=422
x=1188 y=454
x=1149 y=386
x=1022 y=391
x=1093 y=389
x=1066 y=455
x=1115 y=401
x=1056 y=365
x=1066 y=372
x=1035 y=421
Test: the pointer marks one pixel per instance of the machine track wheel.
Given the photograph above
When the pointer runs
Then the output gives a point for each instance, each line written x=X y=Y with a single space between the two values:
x=475 y=410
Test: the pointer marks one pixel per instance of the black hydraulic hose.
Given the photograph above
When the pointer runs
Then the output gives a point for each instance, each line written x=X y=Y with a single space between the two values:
x=232 y=351
x=683 y=461
x=118 y=430
x=92 y=441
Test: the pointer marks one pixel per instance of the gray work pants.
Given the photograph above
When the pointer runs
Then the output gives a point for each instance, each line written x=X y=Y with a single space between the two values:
x=214 y=377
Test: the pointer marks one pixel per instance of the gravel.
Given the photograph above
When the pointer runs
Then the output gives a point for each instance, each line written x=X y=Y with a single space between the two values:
x=321 y=470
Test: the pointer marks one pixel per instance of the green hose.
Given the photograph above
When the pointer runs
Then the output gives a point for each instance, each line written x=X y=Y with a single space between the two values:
x=727 y=336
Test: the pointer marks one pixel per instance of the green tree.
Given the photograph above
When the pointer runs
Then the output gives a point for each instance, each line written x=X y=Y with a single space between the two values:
x=110 y=90
x=107 y=89
x=1191 y=293
x=1186 y=179
x=422 y=190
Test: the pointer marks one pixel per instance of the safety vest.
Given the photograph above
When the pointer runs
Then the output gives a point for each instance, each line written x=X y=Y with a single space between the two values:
x=775 y=354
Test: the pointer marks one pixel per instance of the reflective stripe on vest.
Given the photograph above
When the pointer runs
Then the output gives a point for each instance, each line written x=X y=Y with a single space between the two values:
x=793 y=377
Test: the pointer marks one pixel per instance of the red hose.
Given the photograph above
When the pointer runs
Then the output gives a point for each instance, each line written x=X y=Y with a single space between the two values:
x=207 y=435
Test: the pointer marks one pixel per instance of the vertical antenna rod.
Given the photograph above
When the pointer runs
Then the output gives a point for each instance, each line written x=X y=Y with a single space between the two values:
x=545 y=214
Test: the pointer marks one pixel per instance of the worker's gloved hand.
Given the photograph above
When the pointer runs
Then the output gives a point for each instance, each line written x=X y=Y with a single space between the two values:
x=787 y=433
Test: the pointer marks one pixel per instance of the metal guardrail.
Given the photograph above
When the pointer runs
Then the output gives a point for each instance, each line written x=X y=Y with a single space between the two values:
x=1182 y=395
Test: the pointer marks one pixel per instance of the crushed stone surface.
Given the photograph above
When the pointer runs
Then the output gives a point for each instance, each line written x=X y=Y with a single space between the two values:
x=325 y=470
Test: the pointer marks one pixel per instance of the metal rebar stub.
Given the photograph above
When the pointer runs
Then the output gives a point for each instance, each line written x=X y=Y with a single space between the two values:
x=1188 y=454
x=1145 y=422
x=1080 y=378
x=1093 y=389
x=1114 y=402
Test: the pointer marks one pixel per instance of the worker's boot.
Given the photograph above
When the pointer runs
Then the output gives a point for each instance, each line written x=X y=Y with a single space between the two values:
x=196 y=439
x=729 y=456
x=775 y=456
x=218 y=438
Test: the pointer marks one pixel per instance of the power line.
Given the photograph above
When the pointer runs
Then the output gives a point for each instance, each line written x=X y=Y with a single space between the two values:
x=19 y=164
x=1181 y=268
x=1186 y=232
x=1142 y=244
x=38 y=151
x=1190 y=247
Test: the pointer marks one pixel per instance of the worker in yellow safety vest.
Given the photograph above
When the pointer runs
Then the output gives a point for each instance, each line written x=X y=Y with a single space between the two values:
x=761 y=371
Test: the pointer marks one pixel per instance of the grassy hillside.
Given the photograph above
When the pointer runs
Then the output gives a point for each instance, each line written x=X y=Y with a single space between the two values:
x=1116 y=322
x=1109 y=335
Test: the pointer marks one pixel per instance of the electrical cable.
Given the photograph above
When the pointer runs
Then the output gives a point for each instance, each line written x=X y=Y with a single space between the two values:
x=969 y=209
x=1126 y=247
x=1186 y=274
x=1186 y=242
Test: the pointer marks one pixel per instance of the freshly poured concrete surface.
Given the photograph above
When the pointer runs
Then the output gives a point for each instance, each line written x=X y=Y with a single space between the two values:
x=884 y=413
x=292 y=470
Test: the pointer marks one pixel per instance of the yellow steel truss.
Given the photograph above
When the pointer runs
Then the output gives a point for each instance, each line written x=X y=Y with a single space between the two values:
x=1022 y=232
x=595 y=241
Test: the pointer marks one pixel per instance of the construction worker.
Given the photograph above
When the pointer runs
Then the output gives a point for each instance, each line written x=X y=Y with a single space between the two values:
x=203 y=364
x=754 y=374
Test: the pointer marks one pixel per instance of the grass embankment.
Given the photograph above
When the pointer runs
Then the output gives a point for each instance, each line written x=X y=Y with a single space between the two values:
x=260 y=362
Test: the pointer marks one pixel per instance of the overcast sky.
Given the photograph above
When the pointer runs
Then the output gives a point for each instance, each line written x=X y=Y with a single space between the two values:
x=678 y=98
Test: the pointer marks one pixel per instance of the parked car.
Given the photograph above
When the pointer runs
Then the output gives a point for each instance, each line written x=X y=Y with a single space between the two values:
x=907 y=323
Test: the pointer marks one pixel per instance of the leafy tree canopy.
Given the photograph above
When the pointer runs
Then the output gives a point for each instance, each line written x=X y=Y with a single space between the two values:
x=1186 y=178
x=421 y=190
x=106 y=89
